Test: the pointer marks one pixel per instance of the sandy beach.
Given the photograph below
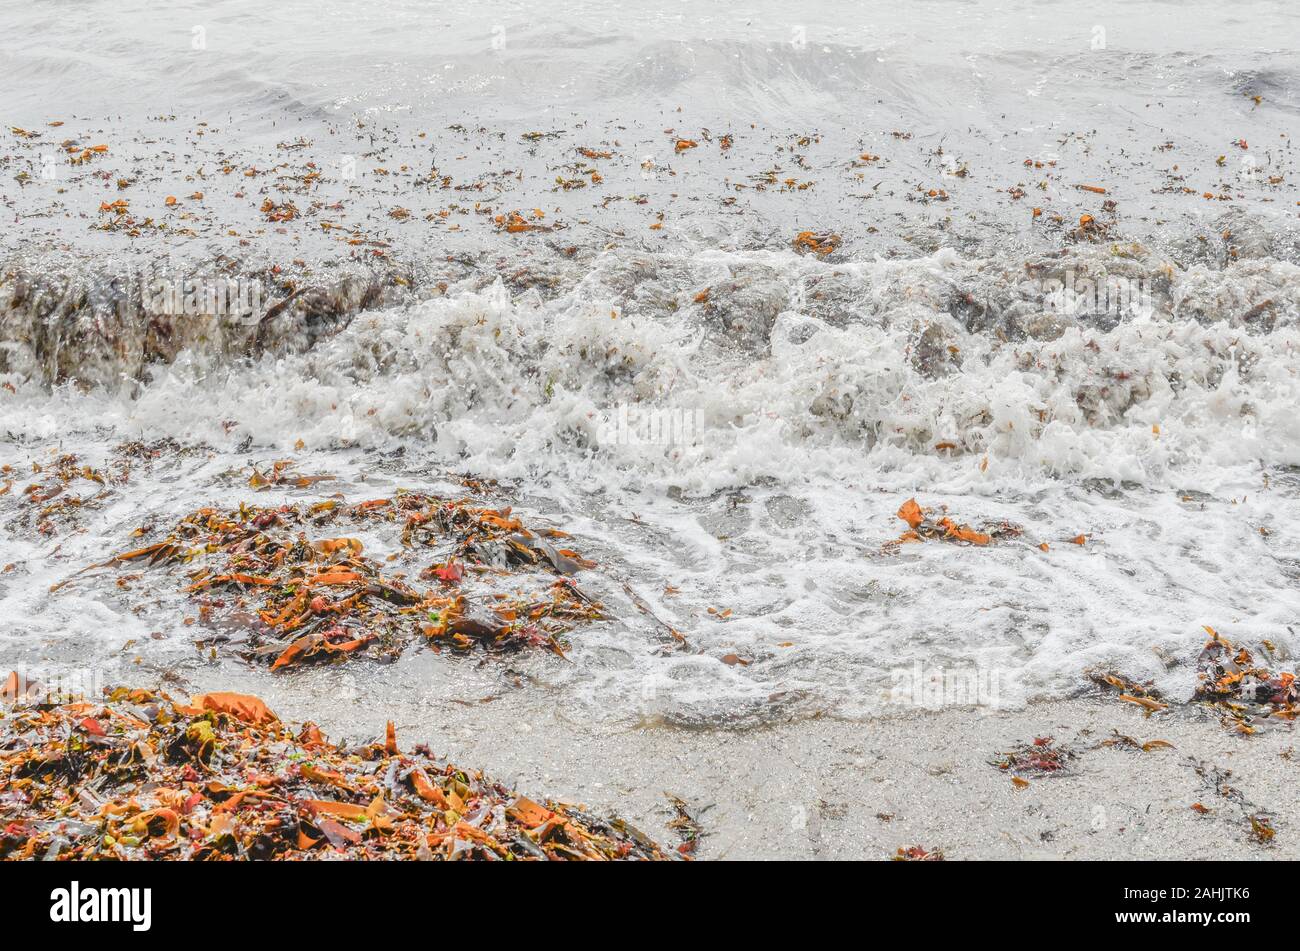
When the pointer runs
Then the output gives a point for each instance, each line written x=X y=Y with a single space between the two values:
x=626 y=403
x=826 y=788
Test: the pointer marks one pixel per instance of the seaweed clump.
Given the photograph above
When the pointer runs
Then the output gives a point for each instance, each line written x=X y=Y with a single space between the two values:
x=137 y=775
x=289 y=584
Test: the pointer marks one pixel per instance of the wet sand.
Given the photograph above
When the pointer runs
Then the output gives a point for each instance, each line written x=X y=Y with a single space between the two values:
x=827 y=788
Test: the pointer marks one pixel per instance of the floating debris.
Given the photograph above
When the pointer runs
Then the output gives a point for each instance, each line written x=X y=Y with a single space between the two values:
x=922 y=526
x=1130 y=691
x=140 y=776
x=63 y=488
x=818 y=243
x=515 y=223
x=283 y=474
x=1246 y=694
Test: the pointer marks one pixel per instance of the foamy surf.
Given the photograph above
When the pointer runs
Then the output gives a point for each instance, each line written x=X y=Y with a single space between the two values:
x=730 y=435
x=715 y=293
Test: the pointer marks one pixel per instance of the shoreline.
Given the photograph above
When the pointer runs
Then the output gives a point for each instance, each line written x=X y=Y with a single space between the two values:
x=815 y=788
x=1175 y=785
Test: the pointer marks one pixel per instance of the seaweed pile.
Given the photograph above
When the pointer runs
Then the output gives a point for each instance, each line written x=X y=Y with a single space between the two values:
x=1041 y=757
x=922 y=526
x=1245 y=693
x=1144 y=695
x=56 y=497
x=138 y=775
x=300 y=594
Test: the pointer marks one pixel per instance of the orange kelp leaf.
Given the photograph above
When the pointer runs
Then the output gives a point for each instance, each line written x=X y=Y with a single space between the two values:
x=426 y=790
x=911 y=513
x=241 y=706
x=296 y=651
x=347 y=647
x=329 y=546
x=311 y=736
x=306 y=842
x=514 y=223
x=1261 y=829
x=390 y=739
x=226 y=579
x=165 y=821
x=1150 y=745
x=377 y=812
x=499 y=518
x=964 y=533
x=141 y=552
x=1152 y=705
x=574 y=556
x=450 y=573
x=528 y=813
x=335 y=577
x=1079 y=539
x=329 y=777
x=1018 y=782
x=1197 y=807
x=818 y=243
x=345 y=810
x=683 y=144
x=221 y=824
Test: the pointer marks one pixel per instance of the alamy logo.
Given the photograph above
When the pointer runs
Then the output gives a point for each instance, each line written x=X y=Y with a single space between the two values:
x=1107 y=294
x=102 y=904
x=235 y=297
x=651 y=426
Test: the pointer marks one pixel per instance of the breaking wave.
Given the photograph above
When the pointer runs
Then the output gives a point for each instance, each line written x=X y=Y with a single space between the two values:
x=723 y=368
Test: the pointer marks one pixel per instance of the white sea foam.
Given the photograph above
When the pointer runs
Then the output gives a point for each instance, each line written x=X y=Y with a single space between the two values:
x=739 y=425
x=1168 y=441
